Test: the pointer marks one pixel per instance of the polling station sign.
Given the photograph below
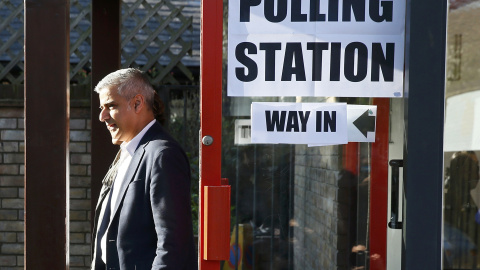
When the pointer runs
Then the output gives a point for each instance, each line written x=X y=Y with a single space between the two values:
x=299 y=123
x=351 y=48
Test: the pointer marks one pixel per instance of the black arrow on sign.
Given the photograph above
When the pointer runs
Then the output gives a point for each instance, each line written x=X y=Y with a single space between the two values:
x=365 y=123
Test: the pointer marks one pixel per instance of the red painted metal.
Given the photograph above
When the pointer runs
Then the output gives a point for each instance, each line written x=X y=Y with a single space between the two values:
x=350 y=157
x=47 y=113
x=217 y=226
x=379 y=187
x=210 y=110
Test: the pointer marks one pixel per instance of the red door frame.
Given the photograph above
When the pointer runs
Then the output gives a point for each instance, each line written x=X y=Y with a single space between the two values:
x=378 y=183
x=211 y=47
x=379 y=187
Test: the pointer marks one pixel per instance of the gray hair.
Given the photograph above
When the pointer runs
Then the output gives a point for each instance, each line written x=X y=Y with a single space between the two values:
x=129 y=82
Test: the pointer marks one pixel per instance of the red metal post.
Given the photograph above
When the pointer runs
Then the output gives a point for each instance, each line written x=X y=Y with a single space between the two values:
x=47 y=86
x=379 y=187
x=210 y=110
x=216 y=230
x=105 y=59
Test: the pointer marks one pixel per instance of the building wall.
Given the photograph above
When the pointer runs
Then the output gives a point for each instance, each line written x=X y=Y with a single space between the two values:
x=463 y=56
x=320 y=234
x=12 y=188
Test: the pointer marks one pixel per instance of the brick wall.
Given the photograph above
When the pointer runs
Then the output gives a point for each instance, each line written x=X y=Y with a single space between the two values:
x=11 y=188
x=80 y=189
x=12 y=192
x=320 y=235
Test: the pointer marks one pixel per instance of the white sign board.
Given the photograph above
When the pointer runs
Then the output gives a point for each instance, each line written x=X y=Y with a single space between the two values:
x=315 y=124
x=337 y=48
x=299 y=123
x=361 y=123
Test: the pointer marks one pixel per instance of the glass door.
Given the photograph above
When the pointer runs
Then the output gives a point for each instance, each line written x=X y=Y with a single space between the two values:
x=461 y=231
x=301 y=207
x=292 y=206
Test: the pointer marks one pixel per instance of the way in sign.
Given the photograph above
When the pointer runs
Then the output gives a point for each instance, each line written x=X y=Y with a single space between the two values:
x=296 y=121
x=299 y=123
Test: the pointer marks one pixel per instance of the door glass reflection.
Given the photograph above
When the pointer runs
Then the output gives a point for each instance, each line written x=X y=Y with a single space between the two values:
x=461 y=237
x=294 y=206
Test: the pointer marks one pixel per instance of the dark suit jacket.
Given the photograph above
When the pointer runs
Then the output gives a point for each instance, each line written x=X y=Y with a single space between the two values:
x=151 y=226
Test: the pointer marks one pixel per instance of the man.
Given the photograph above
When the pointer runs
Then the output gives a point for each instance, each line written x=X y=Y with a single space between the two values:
x=143 y=216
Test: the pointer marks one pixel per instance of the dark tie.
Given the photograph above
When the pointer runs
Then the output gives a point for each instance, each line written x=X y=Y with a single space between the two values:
x=103 y=225
x=112 y=171
x=101 y=231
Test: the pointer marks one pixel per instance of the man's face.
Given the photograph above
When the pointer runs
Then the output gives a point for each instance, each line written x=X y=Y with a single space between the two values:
x=118 y=114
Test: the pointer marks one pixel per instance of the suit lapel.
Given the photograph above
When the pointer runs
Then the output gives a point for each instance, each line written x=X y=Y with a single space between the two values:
x=134 y=164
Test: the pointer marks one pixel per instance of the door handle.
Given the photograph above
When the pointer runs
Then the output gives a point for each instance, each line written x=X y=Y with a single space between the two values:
x=394 y=223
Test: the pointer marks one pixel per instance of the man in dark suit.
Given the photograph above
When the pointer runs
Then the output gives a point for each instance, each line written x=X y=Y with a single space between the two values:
x=143 y=217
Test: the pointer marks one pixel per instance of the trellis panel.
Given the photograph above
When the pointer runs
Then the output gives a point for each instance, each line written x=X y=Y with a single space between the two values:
x=153 y=39
x=11 y=35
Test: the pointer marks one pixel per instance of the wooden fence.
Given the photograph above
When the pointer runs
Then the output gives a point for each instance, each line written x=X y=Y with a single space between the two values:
x=156 y=37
